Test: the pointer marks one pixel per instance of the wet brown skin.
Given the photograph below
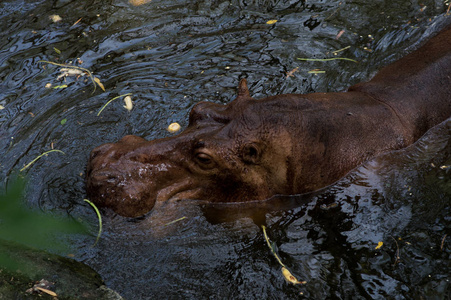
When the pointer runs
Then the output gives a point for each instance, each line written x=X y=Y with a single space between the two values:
x=287 y=144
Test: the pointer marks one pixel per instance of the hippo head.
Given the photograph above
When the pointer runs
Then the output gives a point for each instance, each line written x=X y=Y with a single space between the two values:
x=228 y=153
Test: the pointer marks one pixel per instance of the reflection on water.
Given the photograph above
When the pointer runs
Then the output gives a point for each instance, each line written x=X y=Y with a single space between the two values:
x=172 y=54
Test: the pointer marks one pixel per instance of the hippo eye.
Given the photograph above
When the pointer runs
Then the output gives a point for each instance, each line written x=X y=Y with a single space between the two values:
x=205 y=160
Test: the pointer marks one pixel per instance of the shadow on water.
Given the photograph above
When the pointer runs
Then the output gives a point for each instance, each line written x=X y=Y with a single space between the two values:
x=172 y=54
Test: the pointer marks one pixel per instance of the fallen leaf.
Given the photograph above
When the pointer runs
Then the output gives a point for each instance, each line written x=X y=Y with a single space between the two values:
x=340 y=34
x=55 y=18
x=128 y=103
x=97 y=80
x=270 y=22
x=174 y=127
x=138 y=2
x=291 y=73
x=63 y=121
x=290 y=278
x=379 y=245
x=49 y=292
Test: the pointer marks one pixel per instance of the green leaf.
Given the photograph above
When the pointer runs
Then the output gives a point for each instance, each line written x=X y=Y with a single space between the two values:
x=63 y=121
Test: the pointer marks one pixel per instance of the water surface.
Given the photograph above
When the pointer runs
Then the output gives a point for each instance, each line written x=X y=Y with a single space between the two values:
x=173 y=54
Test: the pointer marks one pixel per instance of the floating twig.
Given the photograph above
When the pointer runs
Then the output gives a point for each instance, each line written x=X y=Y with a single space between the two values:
x=339 y=50
x=94 y=80
x=285 y=272
x=98 y=217
x=34 y=160
x=103 y=107
x=175 y=221
x=398 y=257
x=328 y=59
x=443 y=242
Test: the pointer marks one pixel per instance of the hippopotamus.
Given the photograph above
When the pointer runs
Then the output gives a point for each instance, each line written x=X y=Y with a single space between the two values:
x=252 y=149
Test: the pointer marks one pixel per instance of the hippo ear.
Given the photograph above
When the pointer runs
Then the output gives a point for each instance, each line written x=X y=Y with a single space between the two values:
x=243 y=91
x=251 y=153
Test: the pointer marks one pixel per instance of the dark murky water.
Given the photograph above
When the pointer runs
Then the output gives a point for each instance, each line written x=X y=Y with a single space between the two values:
x=172 y=54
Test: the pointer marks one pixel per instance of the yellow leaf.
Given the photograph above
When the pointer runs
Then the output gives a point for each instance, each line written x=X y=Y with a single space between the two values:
x=174 y=127
x=48 y=292
x=97 y=80
x=290 y=278
x=270 y=22
x=128 y=103
x=379 y=245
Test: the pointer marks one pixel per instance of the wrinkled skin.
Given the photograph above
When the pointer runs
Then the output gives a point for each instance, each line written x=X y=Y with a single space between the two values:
x=287 y=144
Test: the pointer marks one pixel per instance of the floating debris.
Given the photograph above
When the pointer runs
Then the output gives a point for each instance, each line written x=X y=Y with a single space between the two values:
x=175 y=221
x=316 y=71
x=270 y=22
x=42 y=286
x=103 y=107
x=128 y=103
x=291 y=73
x=34 y=160
x=340 y=34
x=55 y=18
x=138 y=2
x=65 y=72
x=174 y=127
x=290 y=278
x=340 y=50
x=63 y=86
x=328 y=59
x=379 y=245
x=99 y=217
x=285 y=272
x=66 y=66
x=97 y=80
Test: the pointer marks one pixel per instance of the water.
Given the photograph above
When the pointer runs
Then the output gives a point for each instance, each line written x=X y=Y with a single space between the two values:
x=172 y=54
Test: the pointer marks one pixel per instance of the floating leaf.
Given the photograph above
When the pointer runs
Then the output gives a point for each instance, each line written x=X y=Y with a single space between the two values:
x=379 y=245
x=270 y=22
x=138 y=2
x=57 y=50
x=55 y=18
x=63 y=121
x=103 y=107
x=174 y=127
x=63 y=86
x=2 y=107
x=97 y=80
x=48 y=292
x=290 y=278
x=128 y=103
